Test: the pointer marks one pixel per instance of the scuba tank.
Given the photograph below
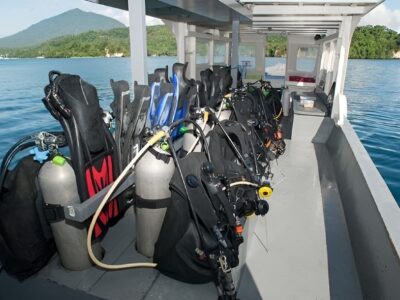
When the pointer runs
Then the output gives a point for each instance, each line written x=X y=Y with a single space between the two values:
x=189 y=138
x=153 y=173
x=58 y=185
x=225 y=114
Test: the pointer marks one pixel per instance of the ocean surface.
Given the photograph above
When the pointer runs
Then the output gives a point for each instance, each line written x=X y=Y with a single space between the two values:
x=372 y=89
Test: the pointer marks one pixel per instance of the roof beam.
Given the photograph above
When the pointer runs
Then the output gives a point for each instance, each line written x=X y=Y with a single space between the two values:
x=297 y=22
x=291 y=29
x=291 y=18
x=236 y=6
x=300 y=23
x=358 y=2
x=268 y=33
x=295 y=26
x=308 y=10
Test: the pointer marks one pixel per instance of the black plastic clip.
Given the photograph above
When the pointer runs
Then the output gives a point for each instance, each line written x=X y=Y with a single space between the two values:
x=54 y=212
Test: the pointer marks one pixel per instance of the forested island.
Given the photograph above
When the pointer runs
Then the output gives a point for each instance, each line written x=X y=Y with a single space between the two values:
x=374 y=42
x=369 y=42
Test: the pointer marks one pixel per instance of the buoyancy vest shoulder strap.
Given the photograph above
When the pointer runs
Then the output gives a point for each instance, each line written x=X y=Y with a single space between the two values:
x=191 y=169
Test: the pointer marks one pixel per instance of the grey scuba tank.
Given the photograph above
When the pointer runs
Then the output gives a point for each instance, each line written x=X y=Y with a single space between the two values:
x=153 y=173
x=189 y=138
x=58 y=185
x=225 y=114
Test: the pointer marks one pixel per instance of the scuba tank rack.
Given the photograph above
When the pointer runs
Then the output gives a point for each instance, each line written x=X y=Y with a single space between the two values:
x=80 y=212
x=187 y=155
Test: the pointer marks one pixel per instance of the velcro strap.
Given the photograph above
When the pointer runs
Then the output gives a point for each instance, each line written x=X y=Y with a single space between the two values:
x=53 y=212
x=151 y=203
x=160 y=156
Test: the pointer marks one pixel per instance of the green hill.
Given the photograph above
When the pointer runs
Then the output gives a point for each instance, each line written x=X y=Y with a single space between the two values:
x=71 y=22
x=375 y=42
x=160 y=41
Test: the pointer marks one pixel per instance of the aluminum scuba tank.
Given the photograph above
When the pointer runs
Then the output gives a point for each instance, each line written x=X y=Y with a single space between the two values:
x=153 y=173
x=189 y=138
x=58 y=185
x=226 y=112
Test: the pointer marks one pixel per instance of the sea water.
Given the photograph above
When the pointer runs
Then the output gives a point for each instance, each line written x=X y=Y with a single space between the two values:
x=372 y=89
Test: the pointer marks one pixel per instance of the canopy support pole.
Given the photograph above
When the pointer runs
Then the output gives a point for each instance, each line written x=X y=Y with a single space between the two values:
x=180 y=31
x=235 y=49
x=339 y=108
x=138 y=40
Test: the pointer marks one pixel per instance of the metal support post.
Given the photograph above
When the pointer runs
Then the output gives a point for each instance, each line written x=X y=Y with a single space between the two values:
x=235 y=49
x=138 y=40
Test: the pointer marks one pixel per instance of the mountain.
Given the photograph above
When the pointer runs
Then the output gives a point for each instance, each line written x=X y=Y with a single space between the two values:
x=114 y=42
x=71 y=22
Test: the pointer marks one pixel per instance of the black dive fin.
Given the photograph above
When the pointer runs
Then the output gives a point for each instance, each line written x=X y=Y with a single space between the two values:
x=138 y=112
x=120 y=111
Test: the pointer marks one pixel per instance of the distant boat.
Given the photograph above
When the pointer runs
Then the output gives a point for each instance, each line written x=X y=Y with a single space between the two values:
x=276 y=70
x=40 y=57
x=118 y=54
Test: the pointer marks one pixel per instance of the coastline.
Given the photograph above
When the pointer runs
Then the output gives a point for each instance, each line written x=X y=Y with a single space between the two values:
x=396 y=56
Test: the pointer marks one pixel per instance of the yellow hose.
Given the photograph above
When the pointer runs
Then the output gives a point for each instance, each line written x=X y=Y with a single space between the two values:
x=243 y=183
x=280 y=113
x=228 y=96
x=159 y=135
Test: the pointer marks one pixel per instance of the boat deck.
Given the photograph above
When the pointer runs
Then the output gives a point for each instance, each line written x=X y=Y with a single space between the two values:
x=305 y=247
x=301 y=250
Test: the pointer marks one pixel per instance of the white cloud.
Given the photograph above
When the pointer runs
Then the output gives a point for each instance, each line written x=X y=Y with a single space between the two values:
x=120 y=15
x=151 y=21
x=382 y=15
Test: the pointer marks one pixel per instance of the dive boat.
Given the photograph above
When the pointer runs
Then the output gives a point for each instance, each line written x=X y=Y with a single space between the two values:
x=333 y=227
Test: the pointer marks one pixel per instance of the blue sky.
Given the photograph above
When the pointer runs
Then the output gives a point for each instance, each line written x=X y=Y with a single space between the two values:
x=16 y=15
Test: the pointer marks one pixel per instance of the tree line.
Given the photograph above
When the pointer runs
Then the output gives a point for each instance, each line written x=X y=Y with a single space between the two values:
x=368 y=42
x=376 y=42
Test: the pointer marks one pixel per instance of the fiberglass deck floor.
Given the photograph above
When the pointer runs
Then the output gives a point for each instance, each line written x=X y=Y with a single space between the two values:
x=305 y=252
x=125 y=284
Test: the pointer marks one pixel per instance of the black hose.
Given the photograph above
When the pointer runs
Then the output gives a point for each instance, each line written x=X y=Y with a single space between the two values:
x=254 y=154
x=19 y=146
x=12 y=149
x=205 y=143
x=190 y=203
x=238 y=154
x=261 y=98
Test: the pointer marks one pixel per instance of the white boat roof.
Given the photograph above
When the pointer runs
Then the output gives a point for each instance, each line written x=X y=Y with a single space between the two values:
x=306 y=16
x=262 y=16
x=208 y=13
